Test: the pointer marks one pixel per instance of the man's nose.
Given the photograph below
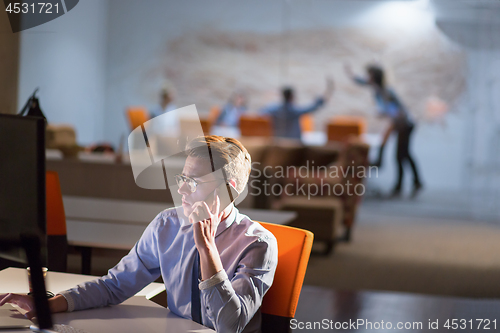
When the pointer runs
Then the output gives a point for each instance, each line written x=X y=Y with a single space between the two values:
x=184 y=189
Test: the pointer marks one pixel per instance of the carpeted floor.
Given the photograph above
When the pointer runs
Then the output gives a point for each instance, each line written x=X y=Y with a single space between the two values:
x=412 y=254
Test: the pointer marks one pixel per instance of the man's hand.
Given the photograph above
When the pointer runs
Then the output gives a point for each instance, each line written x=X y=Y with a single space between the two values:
x=204 y=231
x=25 y=302
x=57 y=303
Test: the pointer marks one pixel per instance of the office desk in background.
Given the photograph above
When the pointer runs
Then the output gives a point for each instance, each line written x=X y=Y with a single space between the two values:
x=118 y=224
x=136 y=314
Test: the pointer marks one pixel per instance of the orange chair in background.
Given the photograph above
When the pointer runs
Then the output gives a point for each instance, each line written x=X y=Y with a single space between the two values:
x=205 y=126
x=280 y=302
x=137 y=116
x=214 y=114
x=341 y=128
x=57 y=242
x=256 y=126
x=207 y=122
x=306 y=123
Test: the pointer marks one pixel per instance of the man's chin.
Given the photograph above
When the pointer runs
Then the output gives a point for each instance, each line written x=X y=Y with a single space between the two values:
x=187 y=210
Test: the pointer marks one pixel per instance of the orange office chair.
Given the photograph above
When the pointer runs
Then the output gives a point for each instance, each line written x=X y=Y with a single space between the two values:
x=342 y=128
x=137 y=116
x=280 y=302
x=208 y=122
x=205 y=126
x=214 y=114
x=57 y=242
x=306 y=123
x=256 y=126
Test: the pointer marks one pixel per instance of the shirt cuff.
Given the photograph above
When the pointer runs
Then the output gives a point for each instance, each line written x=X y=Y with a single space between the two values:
x=214 y=280
x=69 y=299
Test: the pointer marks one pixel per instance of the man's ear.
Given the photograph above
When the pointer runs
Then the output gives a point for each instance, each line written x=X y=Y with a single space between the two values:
x=232 y=182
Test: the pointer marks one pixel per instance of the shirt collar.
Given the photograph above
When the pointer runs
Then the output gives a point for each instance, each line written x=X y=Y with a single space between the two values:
x=226 y=223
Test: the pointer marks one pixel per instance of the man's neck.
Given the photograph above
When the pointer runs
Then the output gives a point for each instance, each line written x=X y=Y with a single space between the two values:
x=226 y=212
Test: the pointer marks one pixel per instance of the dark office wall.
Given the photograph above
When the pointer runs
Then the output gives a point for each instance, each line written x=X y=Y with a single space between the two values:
x=9 y=66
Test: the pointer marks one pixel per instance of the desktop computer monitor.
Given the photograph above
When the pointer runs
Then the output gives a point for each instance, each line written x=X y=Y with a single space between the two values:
x=22 y=181
x=22 y=201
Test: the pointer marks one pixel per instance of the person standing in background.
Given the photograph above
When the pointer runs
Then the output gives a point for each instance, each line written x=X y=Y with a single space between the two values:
x=169 y=124
x=232 y=111
x=389 y=105
x=286 y=115
x=166 y=102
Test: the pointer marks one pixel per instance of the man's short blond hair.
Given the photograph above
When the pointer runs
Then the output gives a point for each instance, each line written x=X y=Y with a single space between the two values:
x=226 y=153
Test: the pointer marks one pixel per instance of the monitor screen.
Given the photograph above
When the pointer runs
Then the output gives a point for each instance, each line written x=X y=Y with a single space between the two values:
x=22 y=179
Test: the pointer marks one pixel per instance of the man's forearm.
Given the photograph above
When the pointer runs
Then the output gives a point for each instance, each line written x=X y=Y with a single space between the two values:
x=209 y=261
x=58 y=304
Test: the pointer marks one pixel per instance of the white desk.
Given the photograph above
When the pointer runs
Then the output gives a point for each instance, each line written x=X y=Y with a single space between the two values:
x=15 y=280
x=137 y=314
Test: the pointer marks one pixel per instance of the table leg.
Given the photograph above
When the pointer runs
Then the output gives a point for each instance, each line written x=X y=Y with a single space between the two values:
x=86 y=259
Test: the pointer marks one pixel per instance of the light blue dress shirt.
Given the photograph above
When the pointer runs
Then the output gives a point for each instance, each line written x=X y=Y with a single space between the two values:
x=286 y=117
x=230 y=116
x=230 y=300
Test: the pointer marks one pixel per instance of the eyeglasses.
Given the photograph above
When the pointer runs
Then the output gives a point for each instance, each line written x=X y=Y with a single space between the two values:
x=191 y=182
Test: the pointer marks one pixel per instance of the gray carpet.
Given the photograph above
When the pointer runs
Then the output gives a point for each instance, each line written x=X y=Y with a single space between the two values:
x=412 y=254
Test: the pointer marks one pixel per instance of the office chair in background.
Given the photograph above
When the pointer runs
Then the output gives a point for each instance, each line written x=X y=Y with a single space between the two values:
x=136 y=116
x=57 y=241
x=256 y=126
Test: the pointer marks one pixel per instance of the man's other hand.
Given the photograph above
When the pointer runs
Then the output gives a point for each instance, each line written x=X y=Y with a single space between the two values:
x=25 y=302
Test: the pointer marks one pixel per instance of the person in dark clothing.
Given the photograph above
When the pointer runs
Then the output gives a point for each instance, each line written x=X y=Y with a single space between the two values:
x=389 y=105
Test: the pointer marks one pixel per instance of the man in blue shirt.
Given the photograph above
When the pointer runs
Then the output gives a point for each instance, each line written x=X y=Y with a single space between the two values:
x=286 y=115
x=232 y=111
x=216 y=263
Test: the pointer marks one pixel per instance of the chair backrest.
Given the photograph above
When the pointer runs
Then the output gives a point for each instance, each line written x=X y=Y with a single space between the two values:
x=306 y=123
x=57 y=243
x=280 y=302
x=256 y=126
x=213 y=114
x=342 y=128
x=137 y=116
x=206 y=124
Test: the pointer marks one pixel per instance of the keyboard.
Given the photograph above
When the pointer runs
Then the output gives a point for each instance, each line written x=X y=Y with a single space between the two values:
x=61 y=328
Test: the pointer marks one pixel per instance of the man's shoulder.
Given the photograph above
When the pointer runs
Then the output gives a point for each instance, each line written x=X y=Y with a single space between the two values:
x=255 y=229
x=168 y=216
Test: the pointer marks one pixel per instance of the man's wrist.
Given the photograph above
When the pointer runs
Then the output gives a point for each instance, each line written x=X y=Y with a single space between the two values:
x=58 y=303
x=208 y=249
x=215 y=279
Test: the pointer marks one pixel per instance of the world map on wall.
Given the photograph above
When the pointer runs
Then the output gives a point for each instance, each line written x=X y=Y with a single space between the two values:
x=205 y=67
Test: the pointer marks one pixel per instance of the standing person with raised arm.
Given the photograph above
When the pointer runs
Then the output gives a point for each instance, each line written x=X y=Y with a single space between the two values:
x=232 y=110
x=389 y=105
x=286 y=115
